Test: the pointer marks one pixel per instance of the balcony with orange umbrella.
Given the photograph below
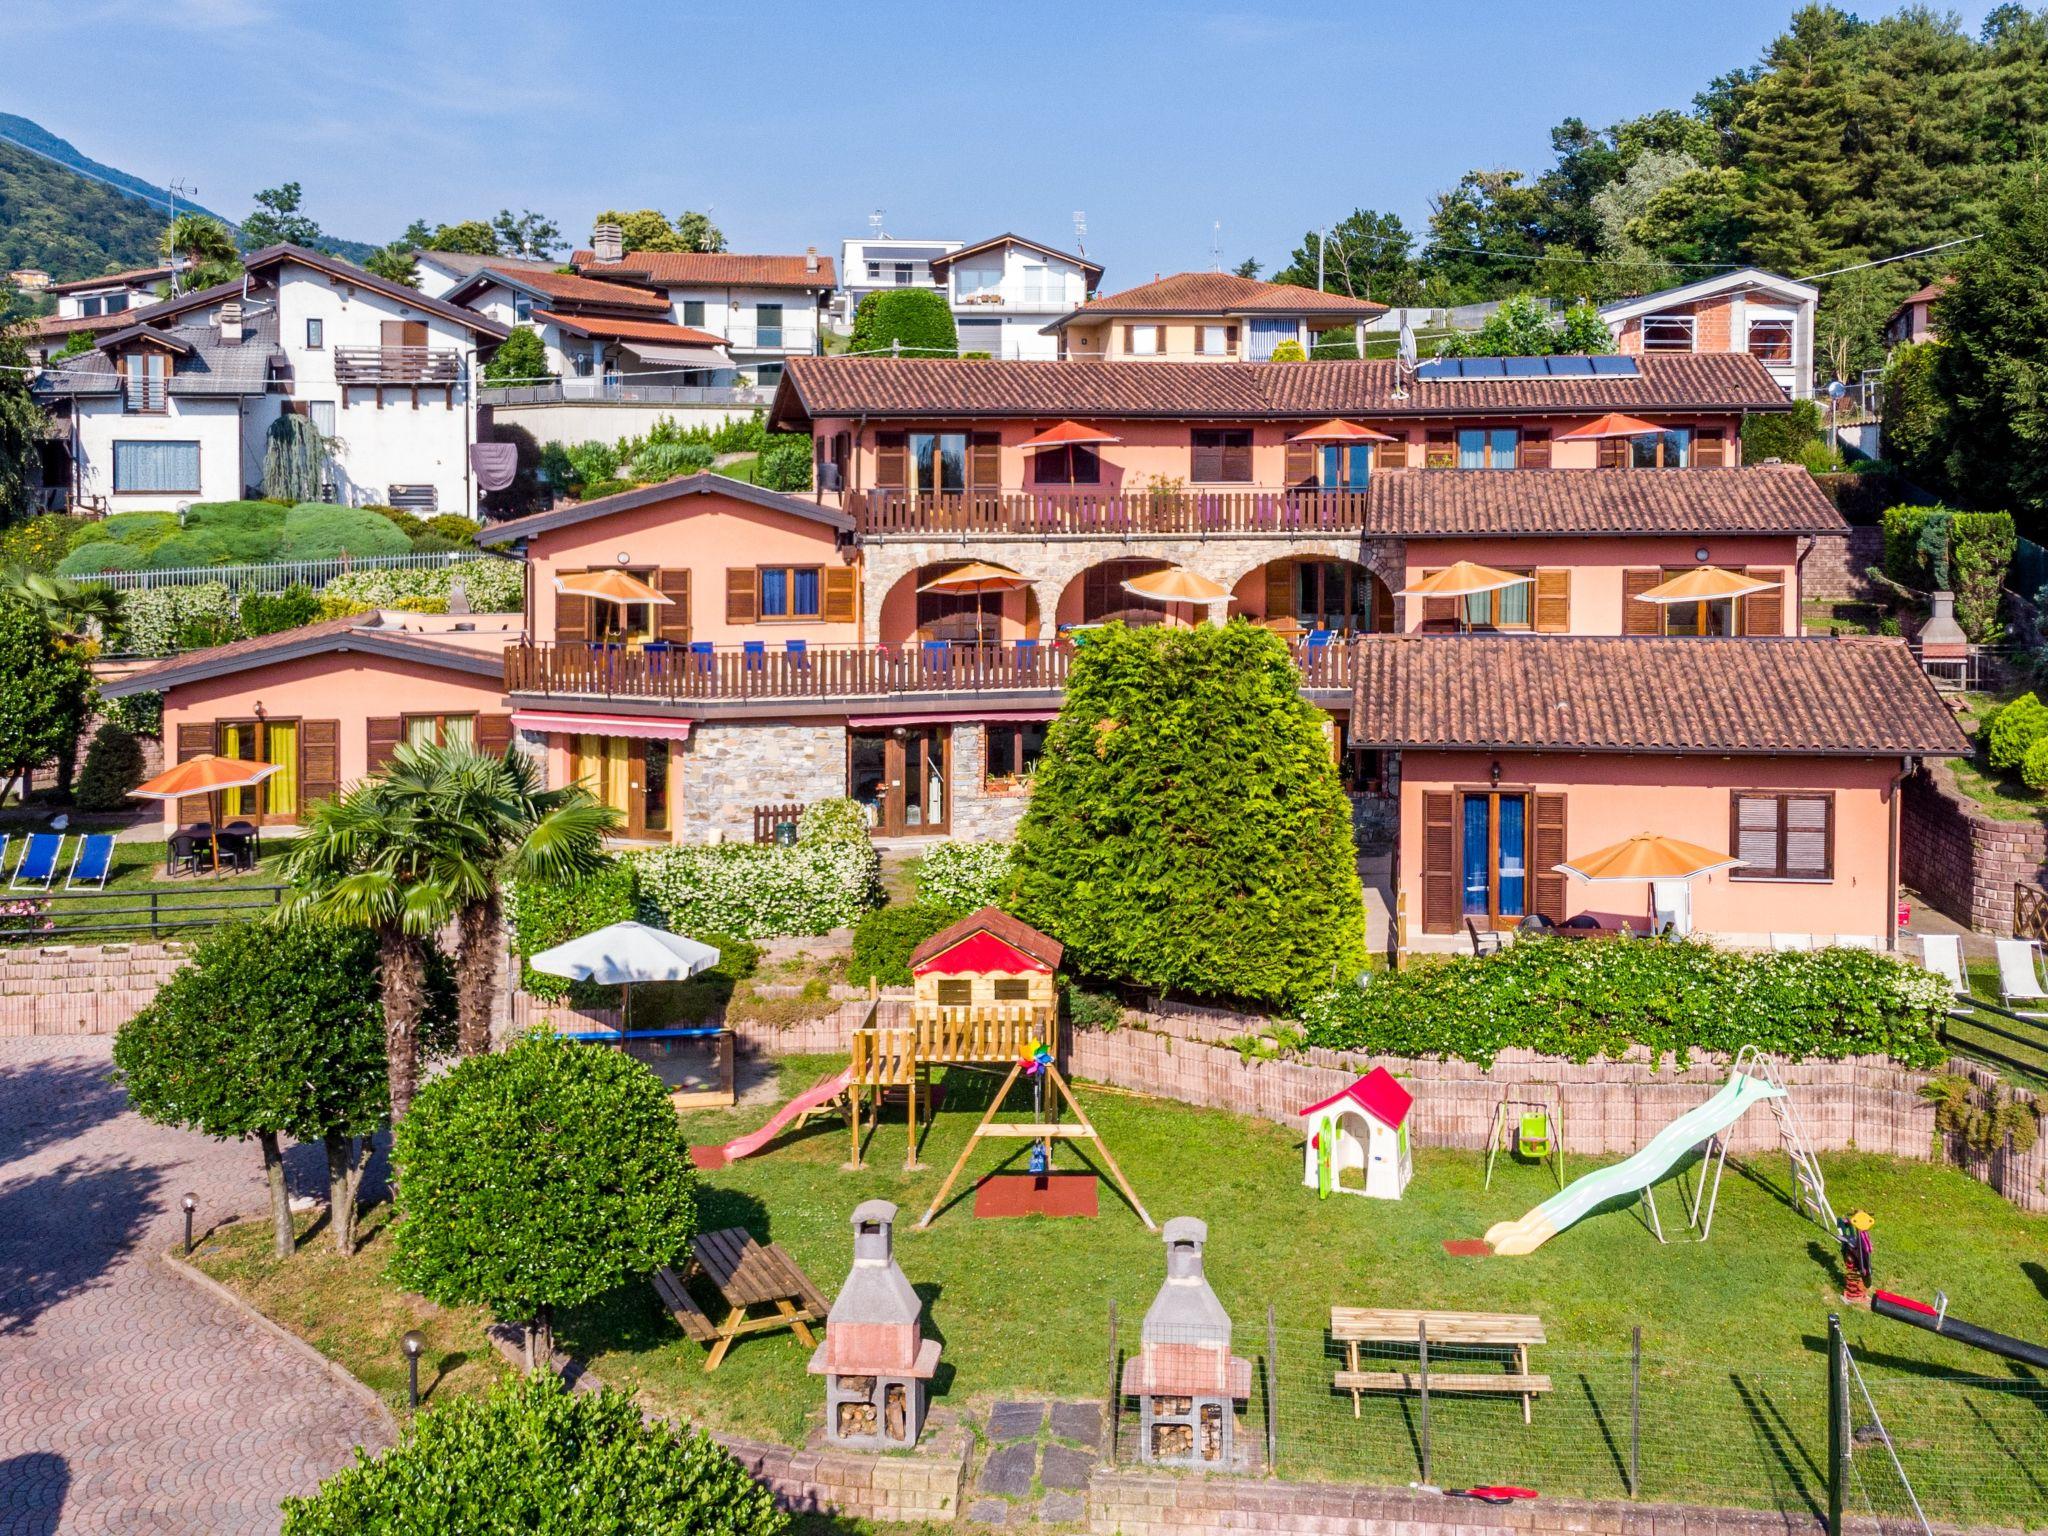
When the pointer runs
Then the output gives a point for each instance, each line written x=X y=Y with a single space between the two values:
x=1344 y=451
x=1463 y=579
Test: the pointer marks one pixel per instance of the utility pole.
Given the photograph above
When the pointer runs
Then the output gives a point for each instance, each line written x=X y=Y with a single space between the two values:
x=1322 y=239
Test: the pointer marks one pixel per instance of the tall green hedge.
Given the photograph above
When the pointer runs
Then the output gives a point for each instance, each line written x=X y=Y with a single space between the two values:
x=1597 y=997
x=1187 y=829
x=917 y=319
x=1781 y=434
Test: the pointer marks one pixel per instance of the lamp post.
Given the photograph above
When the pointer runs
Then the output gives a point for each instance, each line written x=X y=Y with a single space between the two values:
x=189 y=1202
x=414 y=1344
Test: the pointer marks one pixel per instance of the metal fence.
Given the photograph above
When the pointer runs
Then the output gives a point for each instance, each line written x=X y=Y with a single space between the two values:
x=621 y=389
x=276 y=575
x=152 y=912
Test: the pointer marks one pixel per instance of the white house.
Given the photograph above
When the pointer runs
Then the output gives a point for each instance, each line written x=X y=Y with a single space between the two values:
x=882 y=261
x=98 y=306
x=177 y=406
x=439 y=273
x=1360 y=1131
x=1003 y=292
x=1767 y=316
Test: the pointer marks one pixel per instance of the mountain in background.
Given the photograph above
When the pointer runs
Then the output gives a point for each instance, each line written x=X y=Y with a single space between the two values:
x=67 y=213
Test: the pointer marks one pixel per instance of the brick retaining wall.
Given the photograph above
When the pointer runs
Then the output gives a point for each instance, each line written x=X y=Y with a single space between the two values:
x=927 y=1485
x=80 y=989
x=1833 y=568
x=1963 y=861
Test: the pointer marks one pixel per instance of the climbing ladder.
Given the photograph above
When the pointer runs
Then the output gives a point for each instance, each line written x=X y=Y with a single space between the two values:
x=1806 y=1174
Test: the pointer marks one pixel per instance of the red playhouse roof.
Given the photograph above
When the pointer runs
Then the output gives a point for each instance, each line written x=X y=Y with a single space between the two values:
x=1377 y=1094
x=986 y=941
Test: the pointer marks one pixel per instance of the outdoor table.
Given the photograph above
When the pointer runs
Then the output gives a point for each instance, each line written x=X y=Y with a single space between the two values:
x=747 y=1274
x=1512 y=1332
x=184 y=844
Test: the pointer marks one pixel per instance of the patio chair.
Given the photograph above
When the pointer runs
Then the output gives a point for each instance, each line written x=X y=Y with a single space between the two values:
x=92 y=862
x=38 y=866
x=937 y=655
x=2019 y=976
x=1942 y=953
x=1855 y=941
x=1487 y=943
x=1791 y=942
x=1671 y=907
x=799 y=654
x=701 y=655
x=754 y=654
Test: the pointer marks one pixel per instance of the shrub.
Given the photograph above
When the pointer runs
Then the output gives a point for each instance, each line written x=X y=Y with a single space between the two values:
x=100 y=555
x=142 y=713
x=533 y=1456
x=2034 y=766
x=1289 y=351
x=1334 y=346
x=491 y=585
x=592 y=461
x=113 y=766
x=542 y=913
x=884 y=938
x=1915 y=430
x=45 y=691
x=965 y=875
x=1916 y=545
x=759 y=893
x=838 y=820
x=915 y=319
x=2011 y=733
x=270 y=613
x=452 y=526
x=342 y=607
x=1781 y=434
x=748 y=435
x=522 y=358
x=1597 y=997
x=141 y=529
x=786 y=464
x=315 y=530
x=40 y=542
x=666 y=461
x=161 y=621
x=592 y=490
x=190 y=547
x=1981 y=547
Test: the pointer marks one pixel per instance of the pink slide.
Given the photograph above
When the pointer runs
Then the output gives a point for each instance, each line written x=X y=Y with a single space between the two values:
x=707 y=1158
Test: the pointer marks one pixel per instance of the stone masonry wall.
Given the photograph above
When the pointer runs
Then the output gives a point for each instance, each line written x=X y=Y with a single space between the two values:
x=1963 y=861
x=980 y=813
x=728 y=769
x=925 y=1486
x=1833 y=568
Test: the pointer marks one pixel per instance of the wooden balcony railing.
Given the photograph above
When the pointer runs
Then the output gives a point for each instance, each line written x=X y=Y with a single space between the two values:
x=397 y=365
x=1033 y=514
x=682 y=674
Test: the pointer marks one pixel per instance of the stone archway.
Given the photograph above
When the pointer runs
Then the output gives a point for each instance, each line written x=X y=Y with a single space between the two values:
x=1316 y=592
x=905 y=616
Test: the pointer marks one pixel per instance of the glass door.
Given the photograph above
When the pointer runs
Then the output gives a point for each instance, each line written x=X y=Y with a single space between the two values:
x=1493 y=858
x=903 y=776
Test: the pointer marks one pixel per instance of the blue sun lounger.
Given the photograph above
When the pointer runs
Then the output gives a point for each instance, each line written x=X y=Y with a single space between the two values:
x=92 y=862
x=38 y=866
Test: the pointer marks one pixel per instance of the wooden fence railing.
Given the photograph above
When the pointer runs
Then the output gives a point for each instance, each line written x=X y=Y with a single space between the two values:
x=1033 y=514
x=2030 y=911
x=769 y=817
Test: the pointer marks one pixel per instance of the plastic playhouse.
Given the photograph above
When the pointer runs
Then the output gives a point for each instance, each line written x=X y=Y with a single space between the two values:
x=1361 y=1130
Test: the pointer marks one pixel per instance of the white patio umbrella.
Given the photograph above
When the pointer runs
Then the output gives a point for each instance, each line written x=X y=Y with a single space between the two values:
x=622 y=953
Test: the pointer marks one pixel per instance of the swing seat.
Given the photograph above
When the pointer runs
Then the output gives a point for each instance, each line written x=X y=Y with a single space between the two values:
x=1532 y=1136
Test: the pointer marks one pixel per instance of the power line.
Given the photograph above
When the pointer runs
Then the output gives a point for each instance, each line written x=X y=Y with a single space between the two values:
x=1925 y=250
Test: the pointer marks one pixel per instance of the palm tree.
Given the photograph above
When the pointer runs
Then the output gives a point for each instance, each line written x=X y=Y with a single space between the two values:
x=207 y=244
x=72 y=610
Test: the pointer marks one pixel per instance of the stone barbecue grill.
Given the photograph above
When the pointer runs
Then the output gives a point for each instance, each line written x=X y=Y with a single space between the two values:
x=876 y=1361
x=1186 y=1380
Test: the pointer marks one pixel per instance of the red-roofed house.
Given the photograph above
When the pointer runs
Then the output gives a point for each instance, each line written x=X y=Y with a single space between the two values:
x=1210 y=317
x=1361 y=1129
x=988 y=958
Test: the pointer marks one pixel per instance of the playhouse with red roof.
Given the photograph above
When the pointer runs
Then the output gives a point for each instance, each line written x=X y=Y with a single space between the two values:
x=1358 y=1139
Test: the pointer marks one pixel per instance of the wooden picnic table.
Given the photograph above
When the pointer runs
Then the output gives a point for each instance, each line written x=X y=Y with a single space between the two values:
x=1513 y=1332
x=747 y=1274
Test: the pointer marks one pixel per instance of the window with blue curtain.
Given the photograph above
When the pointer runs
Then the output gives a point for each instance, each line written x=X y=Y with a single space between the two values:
x=1513 y=861
x=1268 y=334
x=804 y=591
x=774 y=592
x=1487 y=447
x=1346 y=467
x=147 y=466
x=1477 y=821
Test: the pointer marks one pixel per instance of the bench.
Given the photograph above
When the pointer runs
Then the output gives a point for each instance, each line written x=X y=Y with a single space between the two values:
x=1511 y=1332
x=747 y=1275
x=682 y=1306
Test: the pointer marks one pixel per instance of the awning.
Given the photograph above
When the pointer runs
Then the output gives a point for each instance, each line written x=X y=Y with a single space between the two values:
x=563 y=722
x=990 y=716
x=680 y=357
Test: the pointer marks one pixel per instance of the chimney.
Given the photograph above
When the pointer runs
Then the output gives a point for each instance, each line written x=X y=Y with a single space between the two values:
x=810 y=258
x=608 y=244
x=231 y=322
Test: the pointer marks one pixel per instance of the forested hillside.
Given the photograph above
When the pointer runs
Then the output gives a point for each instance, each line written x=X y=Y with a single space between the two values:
x=68 y=224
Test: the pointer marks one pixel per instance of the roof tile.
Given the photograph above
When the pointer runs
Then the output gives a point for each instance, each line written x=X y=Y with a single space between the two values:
x=1221 y=293
x=715 y=267
x=1764 y=498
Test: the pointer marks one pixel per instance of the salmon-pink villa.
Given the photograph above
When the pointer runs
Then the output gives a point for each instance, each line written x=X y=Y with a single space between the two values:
x=811 y=645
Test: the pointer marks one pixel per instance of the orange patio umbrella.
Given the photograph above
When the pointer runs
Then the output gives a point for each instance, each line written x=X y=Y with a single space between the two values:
x=975 y=578
x=1465 y=578
x=1613 y=424
x=1336 y=431
x=1648 y=856
x=207 y=774
x=1069 y=434
x=1175 y=585
x=1705 y=584
x=619 y=587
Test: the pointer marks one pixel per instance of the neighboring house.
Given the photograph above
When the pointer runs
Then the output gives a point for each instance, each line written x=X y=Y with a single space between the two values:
x=877 y=262
x=1003 y=292
x=604 y=340
x=29 y=279
x=440 y=273
x=1913 y=320
x=177 y=405
x=767 y=309
x=97 y=306
x=1770 y=318
x=1208 y=317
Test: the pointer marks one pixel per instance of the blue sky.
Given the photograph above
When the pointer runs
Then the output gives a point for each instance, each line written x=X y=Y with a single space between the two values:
x=792 y=121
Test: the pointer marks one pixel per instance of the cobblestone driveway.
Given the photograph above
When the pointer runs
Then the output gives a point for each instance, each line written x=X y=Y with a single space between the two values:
x=130 y=1401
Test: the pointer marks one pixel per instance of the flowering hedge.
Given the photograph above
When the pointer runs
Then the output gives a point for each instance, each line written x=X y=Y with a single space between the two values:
x=759 y=892
x=1597 y=997
x=492 y=586
x=161 y=621
x=965 y=875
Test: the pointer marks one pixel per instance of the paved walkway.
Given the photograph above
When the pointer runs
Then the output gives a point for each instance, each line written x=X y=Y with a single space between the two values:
x=129 y=1400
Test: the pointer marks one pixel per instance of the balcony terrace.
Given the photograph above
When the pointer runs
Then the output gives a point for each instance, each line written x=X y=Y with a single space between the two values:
x=397 y=365
x=1300 y=512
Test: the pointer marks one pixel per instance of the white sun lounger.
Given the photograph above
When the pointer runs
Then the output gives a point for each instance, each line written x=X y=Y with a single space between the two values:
x=2019 y=975
x=1942 y=953
x=1855 y=941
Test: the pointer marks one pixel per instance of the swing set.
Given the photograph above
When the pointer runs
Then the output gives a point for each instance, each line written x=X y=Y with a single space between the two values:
x=1529 y=1128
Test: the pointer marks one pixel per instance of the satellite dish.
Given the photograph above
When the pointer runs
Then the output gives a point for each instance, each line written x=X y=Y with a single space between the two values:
x=1407 y=342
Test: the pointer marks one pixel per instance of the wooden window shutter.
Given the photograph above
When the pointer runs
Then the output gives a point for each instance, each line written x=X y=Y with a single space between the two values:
x=1201 y=331
x=1439 y=863
x=1230 y=339
x=1392 y=455
x=1279 y=589
x=1763 y=613
x=493 y=734
x=1440 y=451
x=673 y=622
x=1709 y=450
x=195 y=740
x=1637 y=616
x=842 y=586
x=1535 y=451
x=1300 y=464
x=985 y=461
x=1614 y=453
x=572 y=616
x=1130 y=338
x=1205 y=457
x=384 y=736
x=742 y=594
x=1554 y=601
x=319 y=762
x=892 y=460
x=1237 y=459
x=1440 y=610
x=1547 y=851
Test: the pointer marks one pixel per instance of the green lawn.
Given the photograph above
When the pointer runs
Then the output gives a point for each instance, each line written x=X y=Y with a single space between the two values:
x=139 y=890
x=1733 y=1378
x=2020 y=1049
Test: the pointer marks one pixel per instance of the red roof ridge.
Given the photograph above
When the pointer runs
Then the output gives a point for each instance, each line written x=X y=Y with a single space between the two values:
x=1378 y=1093
x=994 y=921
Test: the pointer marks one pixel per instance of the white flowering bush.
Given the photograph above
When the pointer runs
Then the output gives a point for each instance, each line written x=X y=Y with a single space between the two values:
x=492 y=586
x=162 y=621
x=965 y=875
x=762 y=892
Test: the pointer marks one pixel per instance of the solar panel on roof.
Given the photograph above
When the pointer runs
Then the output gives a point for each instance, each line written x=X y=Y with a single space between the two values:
x=1440 y=368
x=1614 y=367
x=1525 y=367
x=1570 y=367
x=1485 y=368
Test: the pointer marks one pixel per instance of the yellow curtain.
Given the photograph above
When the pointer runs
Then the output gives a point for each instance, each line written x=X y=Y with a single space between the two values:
x=231 y=746
x=602 y=766
x=419 y=730
x=459 y=731
x=281 y=789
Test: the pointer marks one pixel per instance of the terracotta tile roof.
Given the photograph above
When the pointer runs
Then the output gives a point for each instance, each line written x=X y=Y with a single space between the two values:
x=1809 y=697
x=57 y=328
x=1220 y=293
x=350 y=632
x=634 y=330
x=715 y=269
x=133 y=277
x=930 y=387
x=1766 y=498
x=1013 y=931
x=571 y=289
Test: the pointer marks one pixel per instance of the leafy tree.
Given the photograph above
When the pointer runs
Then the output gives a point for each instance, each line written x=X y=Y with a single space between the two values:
x=786 y=463
x=1365 y=255
x=1915 y=429
x=279 y=219
x=113 y=766
x=528 y=234
x=1187 y=829
x=77 y=344
x=1522 y=327
x=206 y=243
x=1584 y=331
x=539 y=1177
x=1854 y=306
x=915 y=319
x=522 y=358
x=294 y=459
x=473 y=236
x=394 y=263
x=21 y=427
x=74 y=611
x=648 y=229
x=534 y=1458
x=45 y=693
x=268 y=1034
x=1249 y=267
x=698 y=233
